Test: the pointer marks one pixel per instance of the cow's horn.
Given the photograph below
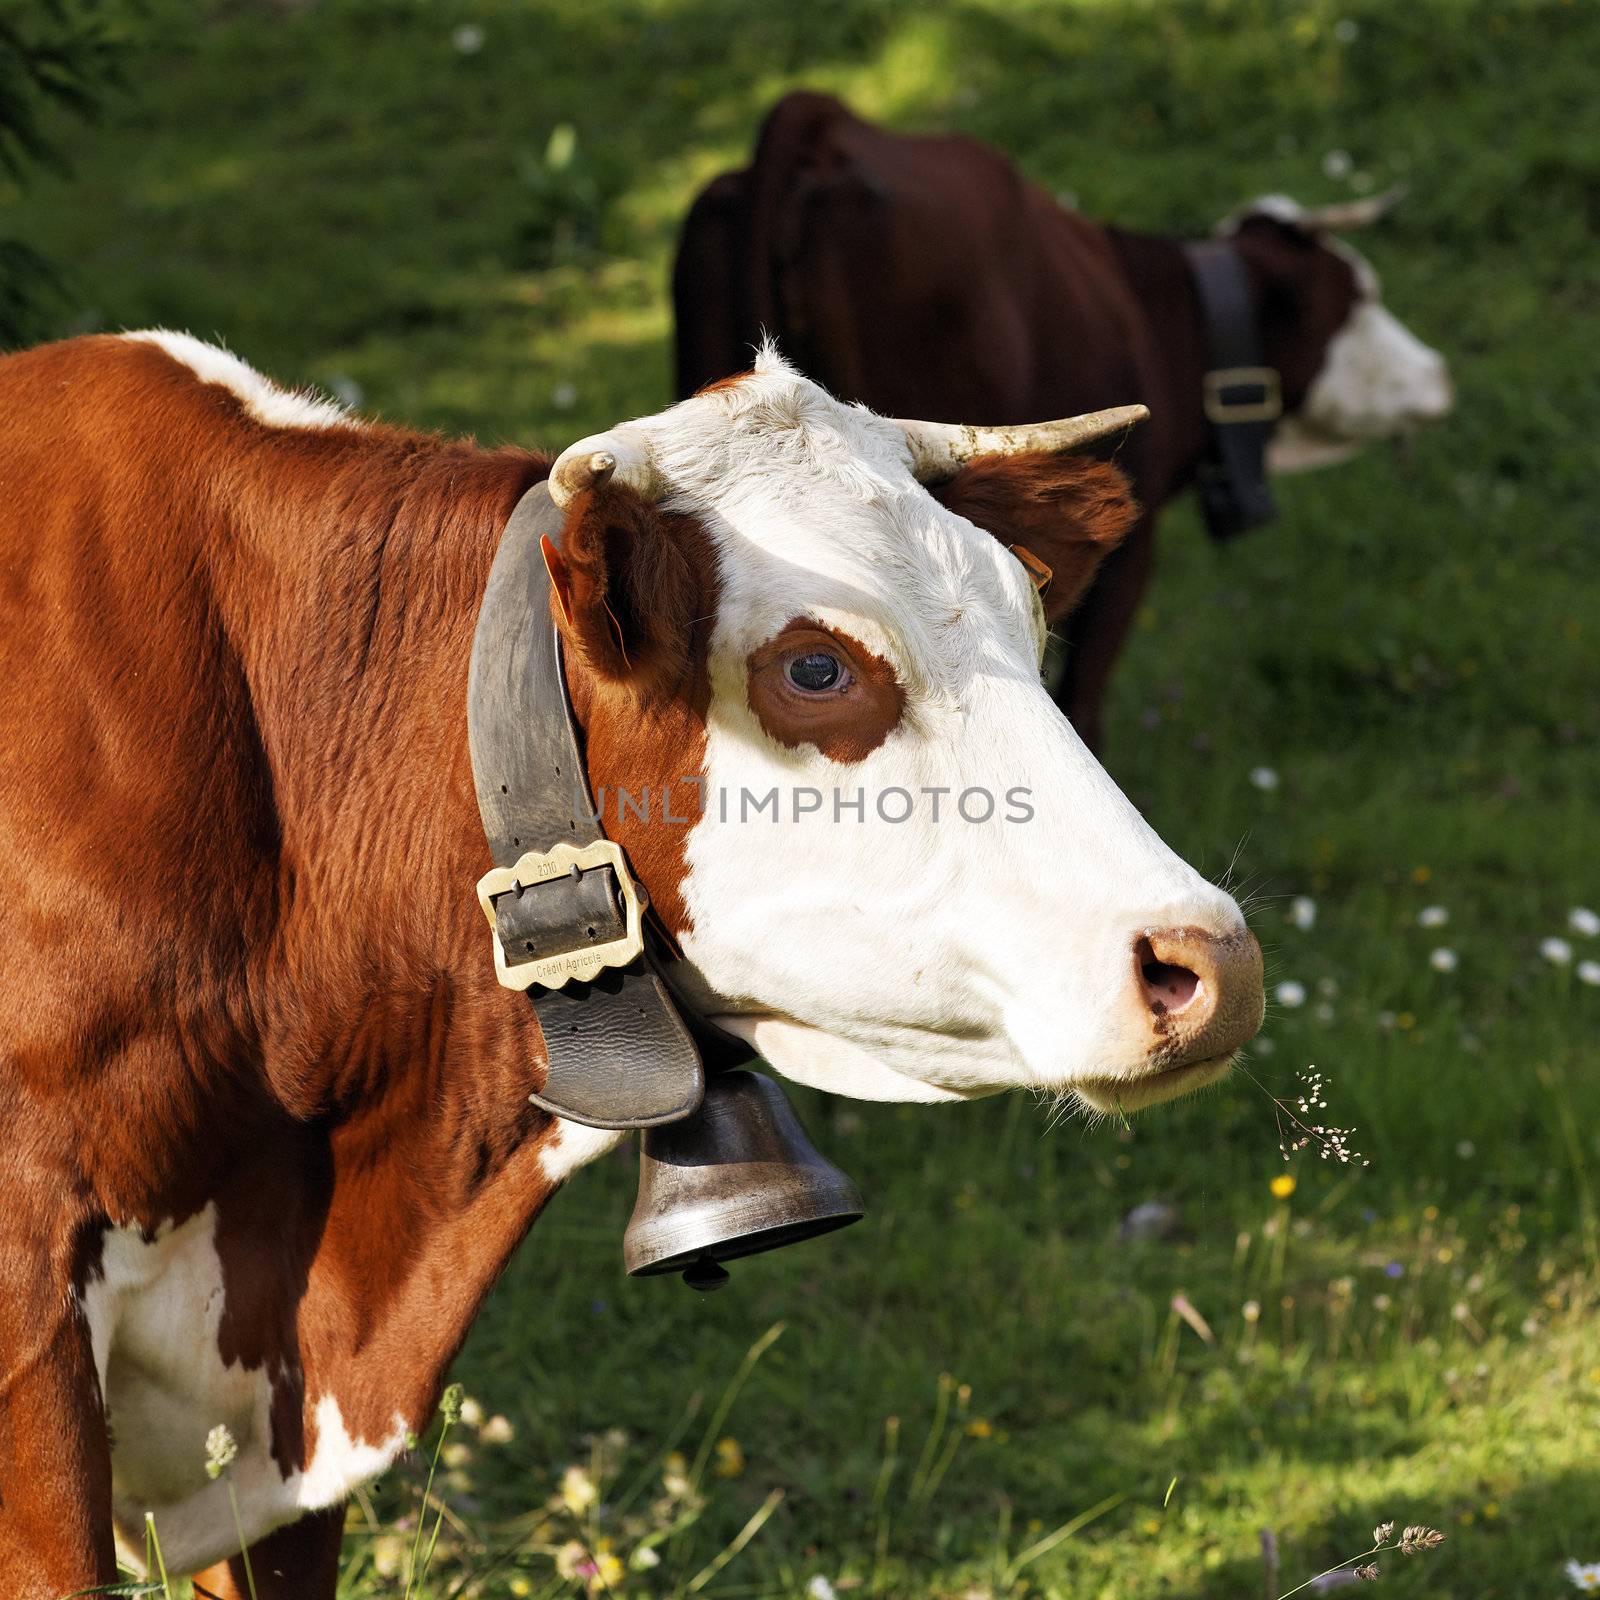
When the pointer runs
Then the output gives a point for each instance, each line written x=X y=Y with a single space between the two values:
x=602 y=456
x=939 y=450
x=1340 y=216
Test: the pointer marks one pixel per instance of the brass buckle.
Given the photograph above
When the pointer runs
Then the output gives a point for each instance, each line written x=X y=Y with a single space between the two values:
x=1267 y=409
x=540 y=866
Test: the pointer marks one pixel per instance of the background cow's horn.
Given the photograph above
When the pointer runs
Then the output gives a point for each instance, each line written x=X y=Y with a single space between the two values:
x=1342 y=215
x=600 y=457
x=939 y=450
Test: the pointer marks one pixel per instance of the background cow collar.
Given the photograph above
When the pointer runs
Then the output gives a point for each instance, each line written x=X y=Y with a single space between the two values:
x=1242 y=396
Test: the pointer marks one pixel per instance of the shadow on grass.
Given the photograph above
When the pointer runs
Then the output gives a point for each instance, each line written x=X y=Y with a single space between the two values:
x=1561 y=1506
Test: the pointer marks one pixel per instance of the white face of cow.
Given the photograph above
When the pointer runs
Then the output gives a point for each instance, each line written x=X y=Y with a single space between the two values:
x=1377 y=380
x=910 y=880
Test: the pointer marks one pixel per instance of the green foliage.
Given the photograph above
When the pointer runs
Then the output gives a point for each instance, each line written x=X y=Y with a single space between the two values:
x=56 y=56
x=567 y=201
x=343 y=195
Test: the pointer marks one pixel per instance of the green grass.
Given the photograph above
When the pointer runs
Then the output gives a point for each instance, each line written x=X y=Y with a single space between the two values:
x=345 y=198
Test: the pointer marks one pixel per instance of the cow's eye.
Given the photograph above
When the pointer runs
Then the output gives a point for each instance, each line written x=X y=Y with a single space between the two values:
x=816 y=672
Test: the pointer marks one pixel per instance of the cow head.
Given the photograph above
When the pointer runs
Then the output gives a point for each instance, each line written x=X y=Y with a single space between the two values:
x=1351 y=372
x=807 y=640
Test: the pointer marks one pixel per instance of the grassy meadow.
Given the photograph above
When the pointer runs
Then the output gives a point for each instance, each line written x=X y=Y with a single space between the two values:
x=1385 y=709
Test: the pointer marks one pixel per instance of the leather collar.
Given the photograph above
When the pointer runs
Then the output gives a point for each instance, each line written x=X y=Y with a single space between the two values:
x=566 y=914
x=1242 y=396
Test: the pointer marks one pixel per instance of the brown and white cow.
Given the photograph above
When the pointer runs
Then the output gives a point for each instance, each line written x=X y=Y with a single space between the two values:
x=267 y=1137
x=925 y=276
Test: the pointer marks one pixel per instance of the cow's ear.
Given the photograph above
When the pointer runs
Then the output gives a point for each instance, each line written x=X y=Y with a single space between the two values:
x=1066 y=512
x=630 y=583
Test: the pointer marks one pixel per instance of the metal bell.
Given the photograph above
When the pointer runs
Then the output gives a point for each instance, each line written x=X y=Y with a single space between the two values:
x=736 y=1178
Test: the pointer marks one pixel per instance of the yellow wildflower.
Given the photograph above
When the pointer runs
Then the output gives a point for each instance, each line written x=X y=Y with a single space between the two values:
x=1282 y=1186
x=608 y=1573
x=730 y=1458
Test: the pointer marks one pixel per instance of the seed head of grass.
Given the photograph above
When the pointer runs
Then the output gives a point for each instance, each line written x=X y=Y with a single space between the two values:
x=1417 y=1538
x=222 y=1450
x=451 y=1404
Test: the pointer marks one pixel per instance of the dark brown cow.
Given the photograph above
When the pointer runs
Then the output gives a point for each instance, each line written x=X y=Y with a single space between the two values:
x=265 y=1131
x=924 y=276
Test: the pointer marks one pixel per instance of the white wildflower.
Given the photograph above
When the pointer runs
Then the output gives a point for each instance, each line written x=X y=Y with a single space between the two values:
x=1303 y=913
x=1347 y=30
x=1589 y=972
x=1290 y=994
x=818 y=1588
x=1443 y=960
x=1585 y=1576
x=1337 y=164
x=578 y=1490
x=1432 y=917
x=1264 y=778
x=497 y=1430
x=1582 y=920
x=468 y=39
x=564 y=397
x=1557 y=951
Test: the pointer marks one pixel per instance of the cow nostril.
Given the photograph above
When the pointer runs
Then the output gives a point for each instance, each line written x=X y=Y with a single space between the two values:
x=1167 y=986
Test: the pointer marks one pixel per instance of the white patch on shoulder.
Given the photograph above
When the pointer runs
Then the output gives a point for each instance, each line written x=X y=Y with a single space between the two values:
x=154 y=1312
x=262 y=398
x=573 y=1145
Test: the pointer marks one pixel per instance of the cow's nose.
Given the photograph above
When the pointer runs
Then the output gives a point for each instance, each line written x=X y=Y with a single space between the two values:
x=1203 y=992
x=1438 y=393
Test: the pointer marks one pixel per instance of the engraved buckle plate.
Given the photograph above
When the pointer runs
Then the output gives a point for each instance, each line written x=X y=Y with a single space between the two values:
x=1267 y=409
x=540 y=866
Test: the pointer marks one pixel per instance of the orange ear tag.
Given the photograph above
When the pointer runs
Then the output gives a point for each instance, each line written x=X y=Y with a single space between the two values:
x=559 y=581
x=1036 y=569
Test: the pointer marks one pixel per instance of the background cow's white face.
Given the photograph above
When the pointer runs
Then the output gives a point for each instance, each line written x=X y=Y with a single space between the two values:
x=1373 y=378
x=952 y=898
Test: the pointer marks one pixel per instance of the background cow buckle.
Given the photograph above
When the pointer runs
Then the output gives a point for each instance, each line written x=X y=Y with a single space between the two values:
x=564 y=966
x=1268 y=408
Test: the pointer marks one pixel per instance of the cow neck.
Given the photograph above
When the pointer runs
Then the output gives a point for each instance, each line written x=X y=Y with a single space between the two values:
x=1241 y=396
x=1199 y=301
x=365 y=1209
x=1158 y=273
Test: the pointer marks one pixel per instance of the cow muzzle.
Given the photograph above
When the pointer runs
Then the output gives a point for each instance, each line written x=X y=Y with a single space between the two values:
x=1200 y=998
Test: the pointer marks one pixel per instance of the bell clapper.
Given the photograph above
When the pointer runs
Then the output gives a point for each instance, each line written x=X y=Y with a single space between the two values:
x=705 y=1274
